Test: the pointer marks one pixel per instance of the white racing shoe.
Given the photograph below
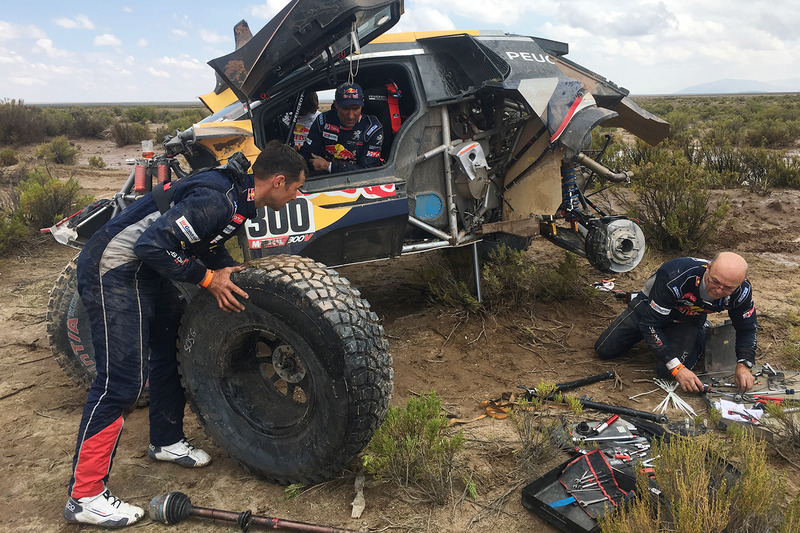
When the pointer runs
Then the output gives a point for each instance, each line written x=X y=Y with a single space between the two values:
x=102 y=510
x=182 y=453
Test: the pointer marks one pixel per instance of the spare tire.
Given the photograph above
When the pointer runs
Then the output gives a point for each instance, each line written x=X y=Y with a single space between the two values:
x=293 y=387
x=68 y=328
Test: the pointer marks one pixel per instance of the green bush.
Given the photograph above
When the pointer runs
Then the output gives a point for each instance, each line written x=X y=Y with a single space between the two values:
x=96 y=162
x=44 y=200
x=674 y=208
x=412 y=449
x=59 y=150
x=91 y=123
x=12 y=231
x=58 y=121
x=141 y=114
x=20 y=124
x=8 y=157
x=125 y=133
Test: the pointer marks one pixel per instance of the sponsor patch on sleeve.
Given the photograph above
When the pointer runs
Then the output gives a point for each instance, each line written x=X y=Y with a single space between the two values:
x=372 y=130
x=745 y=292
x=658 y=309
x=187 y=229
x=749 y=312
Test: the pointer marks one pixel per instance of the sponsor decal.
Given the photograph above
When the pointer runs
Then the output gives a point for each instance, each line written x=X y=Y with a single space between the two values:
x=238 y=219
x=177 y=258
x=251 y=195
x=340 y=152
x=75 y=342
x=374 y=154
x=332 y=127
x=187 y=229
x=379 y=139
x=527 y=56
x=357 y=134
x=658 y=309
x=745 y=292
x=372 y=130
x=373 y=193
x=750 y=312
x=330 y=136
x=350 y=92
x=656 y=339
x=689 y=296
x=676 y=291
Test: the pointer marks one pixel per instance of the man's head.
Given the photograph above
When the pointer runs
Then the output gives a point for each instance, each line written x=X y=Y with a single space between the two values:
x=279 y=171
x=724 y=274
x=349 y=101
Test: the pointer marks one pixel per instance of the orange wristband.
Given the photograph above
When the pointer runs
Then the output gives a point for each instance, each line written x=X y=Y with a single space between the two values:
x=676 y=370
x=207 y=278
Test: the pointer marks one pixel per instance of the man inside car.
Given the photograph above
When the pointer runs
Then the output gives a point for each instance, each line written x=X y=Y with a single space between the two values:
x=343 y=139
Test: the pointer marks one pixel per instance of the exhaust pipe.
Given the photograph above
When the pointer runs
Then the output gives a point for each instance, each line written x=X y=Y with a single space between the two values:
x=602 y=170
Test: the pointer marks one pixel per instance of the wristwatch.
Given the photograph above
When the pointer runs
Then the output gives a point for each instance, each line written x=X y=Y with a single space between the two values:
x=745 y=362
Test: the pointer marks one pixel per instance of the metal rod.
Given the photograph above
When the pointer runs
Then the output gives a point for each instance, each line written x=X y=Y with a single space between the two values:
x=448 y=178
x=625 y=411
x=608 y=374
x=477 y=271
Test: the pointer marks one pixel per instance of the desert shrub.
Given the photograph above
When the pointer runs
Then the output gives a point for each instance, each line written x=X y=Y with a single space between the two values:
x=44 y=200
x=444 y=276
x=125 y=133
x=8 y=157
x=90 y=123
x=141 y=114
x=674 y=208
x=508 y=277
x=12 y=231
x=57 y=121
x=413 y=450
x=563 y=282
x=20 y=124
x=536 y=423
x=96 y=161
x=701 y=492
x=59 y=151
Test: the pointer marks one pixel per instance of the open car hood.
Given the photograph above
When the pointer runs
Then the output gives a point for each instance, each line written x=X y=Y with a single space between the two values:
x=304 y=34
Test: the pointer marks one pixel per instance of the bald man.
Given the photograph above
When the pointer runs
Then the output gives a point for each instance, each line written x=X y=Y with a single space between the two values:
x=670 y=312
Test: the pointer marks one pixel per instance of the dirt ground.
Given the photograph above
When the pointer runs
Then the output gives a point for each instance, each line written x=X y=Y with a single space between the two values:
x=465 y=360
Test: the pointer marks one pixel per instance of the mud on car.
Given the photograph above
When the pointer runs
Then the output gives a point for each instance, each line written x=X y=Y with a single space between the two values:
x=486 y=137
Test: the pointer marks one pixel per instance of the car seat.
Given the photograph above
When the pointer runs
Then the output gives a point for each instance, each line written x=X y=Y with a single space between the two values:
x=384 y=103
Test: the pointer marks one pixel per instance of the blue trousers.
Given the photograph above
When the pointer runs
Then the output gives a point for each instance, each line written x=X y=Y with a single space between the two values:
x=134 y=316
x=687 y=338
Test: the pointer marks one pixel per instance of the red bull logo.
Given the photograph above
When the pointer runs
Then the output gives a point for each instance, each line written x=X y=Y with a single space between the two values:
x=340 y=152
x=350 y=92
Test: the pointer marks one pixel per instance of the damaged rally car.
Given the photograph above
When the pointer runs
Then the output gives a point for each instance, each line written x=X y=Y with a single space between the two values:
x=485 y=137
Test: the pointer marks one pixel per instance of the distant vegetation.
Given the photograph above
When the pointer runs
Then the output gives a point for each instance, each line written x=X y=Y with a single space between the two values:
x=22 y=124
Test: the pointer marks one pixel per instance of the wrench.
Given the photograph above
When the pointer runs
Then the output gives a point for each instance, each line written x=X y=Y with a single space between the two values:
x=599 y=500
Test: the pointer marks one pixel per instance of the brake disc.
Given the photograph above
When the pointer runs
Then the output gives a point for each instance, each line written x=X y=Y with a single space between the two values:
x=614 y=244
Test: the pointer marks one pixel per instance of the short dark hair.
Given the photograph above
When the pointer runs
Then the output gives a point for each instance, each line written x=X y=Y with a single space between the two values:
x=277 y=158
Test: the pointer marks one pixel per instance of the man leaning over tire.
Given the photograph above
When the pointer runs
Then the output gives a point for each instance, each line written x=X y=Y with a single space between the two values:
x=125 y=274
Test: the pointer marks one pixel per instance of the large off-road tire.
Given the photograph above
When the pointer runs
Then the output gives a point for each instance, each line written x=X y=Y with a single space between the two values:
x=293 y=387
x=68 y=328
x=69 y=332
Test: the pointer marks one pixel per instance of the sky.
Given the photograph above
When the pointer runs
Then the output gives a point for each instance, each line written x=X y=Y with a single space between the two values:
x=148 y=51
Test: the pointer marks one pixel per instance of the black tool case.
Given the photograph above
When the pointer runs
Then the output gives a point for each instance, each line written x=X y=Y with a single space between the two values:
x=538 y=495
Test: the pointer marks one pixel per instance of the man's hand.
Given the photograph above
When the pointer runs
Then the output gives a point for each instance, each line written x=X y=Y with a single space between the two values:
x=224 y=290
x=688 y=381
x=744 y=378
x=318 y=163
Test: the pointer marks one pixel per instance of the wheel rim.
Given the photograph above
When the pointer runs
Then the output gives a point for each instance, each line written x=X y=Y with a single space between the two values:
x=265 y=379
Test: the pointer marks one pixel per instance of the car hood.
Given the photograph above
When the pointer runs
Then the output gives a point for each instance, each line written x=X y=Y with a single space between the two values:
x=304 y=34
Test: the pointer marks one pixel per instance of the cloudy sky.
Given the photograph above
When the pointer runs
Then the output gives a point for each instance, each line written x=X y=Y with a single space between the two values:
x=147 y=51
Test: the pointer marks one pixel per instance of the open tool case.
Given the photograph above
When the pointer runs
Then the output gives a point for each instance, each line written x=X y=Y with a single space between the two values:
x=548 y=496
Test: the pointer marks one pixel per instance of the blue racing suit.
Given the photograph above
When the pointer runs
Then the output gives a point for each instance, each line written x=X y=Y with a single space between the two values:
x=125 y=273
x=346 y=149
x=670 y=313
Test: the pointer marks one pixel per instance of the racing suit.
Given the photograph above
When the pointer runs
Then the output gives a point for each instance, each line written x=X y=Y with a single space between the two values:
x=346 y=149
x=124 y=279
x=670 y=314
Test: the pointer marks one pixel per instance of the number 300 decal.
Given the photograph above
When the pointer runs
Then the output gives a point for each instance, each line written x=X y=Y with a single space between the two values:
x=285 y=226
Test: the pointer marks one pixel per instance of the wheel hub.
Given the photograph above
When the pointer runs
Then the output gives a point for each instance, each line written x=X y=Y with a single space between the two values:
x=287 y=365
